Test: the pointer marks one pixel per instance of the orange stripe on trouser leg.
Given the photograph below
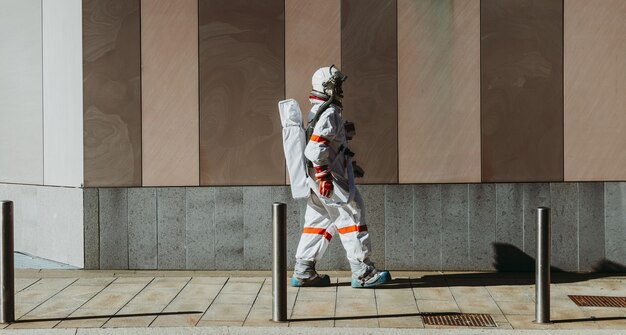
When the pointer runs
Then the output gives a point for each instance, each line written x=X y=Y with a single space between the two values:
x=319 y=139
x=317 y=231
x=352 y=229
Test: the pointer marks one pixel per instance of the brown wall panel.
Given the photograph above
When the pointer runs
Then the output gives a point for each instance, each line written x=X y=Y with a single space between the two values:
x=439 y=91
x=169 y=42
x=369 y=59
x=241 y=81
x=595 y=98
x=112 y=94
x=522 y=90
x=304 y=34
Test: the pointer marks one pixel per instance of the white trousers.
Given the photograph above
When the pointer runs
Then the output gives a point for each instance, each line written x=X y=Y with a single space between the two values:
x=322 y=221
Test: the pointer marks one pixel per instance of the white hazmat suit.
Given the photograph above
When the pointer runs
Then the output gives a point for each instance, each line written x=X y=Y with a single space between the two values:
x=334 y=204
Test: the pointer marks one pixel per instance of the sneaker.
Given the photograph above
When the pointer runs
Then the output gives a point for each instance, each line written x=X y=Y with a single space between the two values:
x=374 y=279
x=316 y=281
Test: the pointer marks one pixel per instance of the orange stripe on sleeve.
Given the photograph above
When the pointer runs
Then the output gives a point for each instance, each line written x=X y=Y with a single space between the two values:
x=352 y=229
x=319 y=139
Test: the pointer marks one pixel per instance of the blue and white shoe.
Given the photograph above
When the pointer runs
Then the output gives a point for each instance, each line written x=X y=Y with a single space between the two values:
x=316 y=281
x=373 y=279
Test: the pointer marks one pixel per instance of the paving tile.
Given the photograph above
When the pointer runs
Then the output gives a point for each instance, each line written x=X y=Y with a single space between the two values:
x=311 y=309
x=179 y=320
x=478 y=305
x=113 y=204
x=455 y=220
x=227 y=312
x=514 y=307
x=22 y=283
x=228 y=298
x=437 y=306
x=482 y=226
x=260 y=316
x=398 y=226
x=142 y=228
x=470 y=292
x=314 y=323
x=36 y=294
x=355 y=307
x=401 y=322
x=171 y=207
x=229 y=222
x=433 y=293
x=200 y=228
x=427 y=227
x=357 y=323
x=241 y=288
x=211 y=323
x=510 y=293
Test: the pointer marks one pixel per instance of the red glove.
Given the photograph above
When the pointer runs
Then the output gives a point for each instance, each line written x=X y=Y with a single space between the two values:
x=325 y=179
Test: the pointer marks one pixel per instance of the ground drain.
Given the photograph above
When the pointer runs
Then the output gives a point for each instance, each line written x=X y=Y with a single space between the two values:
x=598 y=301
x=458 y=319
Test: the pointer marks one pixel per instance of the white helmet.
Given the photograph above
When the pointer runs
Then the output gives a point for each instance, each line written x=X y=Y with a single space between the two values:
x=328 y=80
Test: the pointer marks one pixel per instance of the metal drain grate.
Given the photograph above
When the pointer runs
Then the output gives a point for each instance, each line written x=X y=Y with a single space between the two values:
x=598 y=301
x=458 y=319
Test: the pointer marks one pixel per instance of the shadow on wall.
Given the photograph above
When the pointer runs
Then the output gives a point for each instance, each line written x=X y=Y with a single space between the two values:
x=509 y=258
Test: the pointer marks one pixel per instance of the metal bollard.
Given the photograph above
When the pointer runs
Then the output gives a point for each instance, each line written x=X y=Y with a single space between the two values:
x=7 y=282
x=279 y=268
x=542 y=266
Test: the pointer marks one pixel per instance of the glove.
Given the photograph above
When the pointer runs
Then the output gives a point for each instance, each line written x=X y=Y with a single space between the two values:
x=325 y=178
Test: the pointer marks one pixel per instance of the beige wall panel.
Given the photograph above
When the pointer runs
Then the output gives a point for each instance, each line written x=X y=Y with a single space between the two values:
x=304 y=34
x=242 y=77
x=311 y=41
x=369 y=57
x=595 y=90
x=439 y=91
x=21 y=121
x=169 y=52
x=112 y=92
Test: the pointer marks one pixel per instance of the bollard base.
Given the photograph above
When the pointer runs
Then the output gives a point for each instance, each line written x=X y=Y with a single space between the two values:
x=277 y=321
x=542 y=323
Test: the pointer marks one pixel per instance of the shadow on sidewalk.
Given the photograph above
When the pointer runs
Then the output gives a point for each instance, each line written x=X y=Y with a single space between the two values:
x=105 y=316
x=359 y=317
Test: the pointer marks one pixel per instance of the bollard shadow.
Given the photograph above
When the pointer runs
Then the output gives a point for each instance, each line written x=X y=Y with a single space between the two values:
x=590 y=319
x=361 y=317
x=89 y=317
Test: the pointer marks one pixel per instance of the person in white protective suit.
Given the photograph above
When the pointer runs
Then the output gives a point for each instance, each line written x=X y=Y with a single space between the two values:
x=334 y=205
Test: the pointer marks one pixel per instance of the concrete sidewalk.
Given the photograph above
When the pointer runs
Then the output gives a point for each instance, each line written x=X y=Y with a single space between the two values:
x=142 y=302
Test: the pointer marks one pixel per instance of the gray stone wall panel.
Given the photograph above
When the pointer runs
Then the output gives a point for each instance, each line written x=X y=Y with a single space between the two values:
x=455 y=220
x=427 y=227
x=590 y=225
x=229 y=228
x=257 y=221
x=92 y=228
x=113 y=203
x=482 y=226
x=200 y=228
x=564 y=219
x=171 y=227
x=615 y=193
x=399 y=241
x=142 y=228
